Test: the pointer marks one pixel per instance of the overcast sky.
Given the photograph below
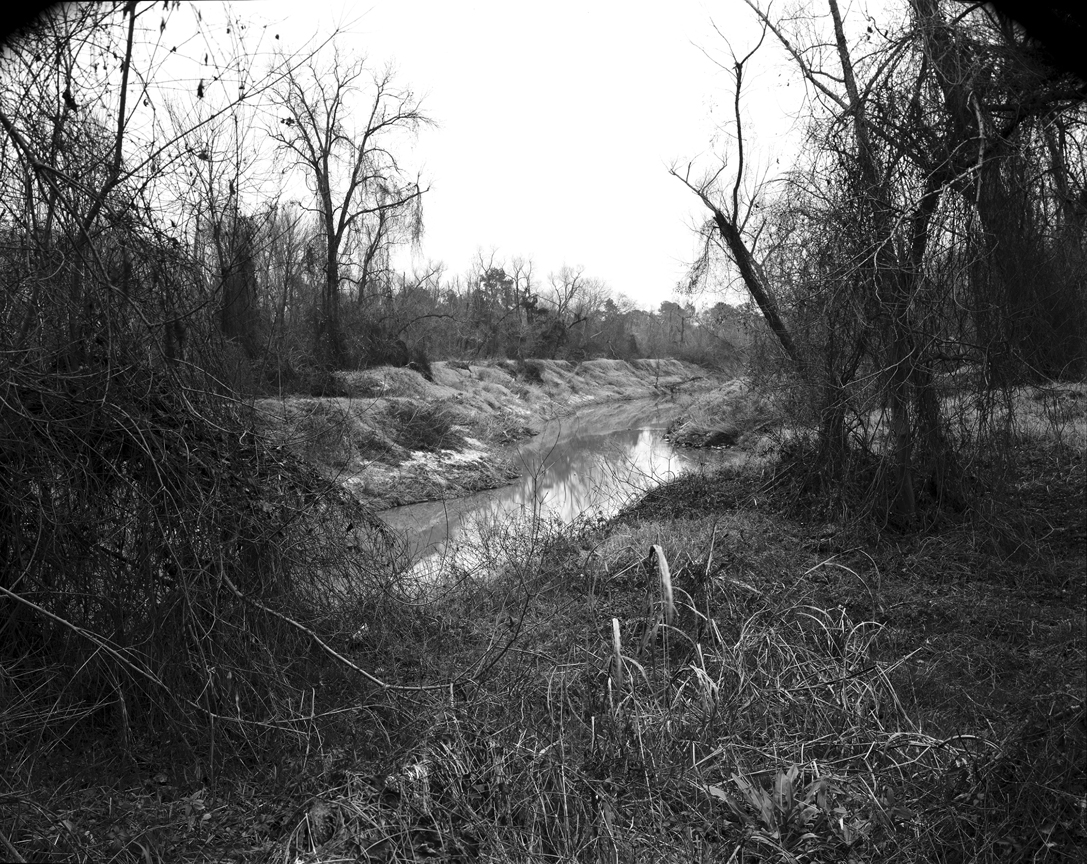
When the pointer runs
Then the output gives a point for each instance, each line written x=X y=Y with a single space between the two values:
x=556 y=123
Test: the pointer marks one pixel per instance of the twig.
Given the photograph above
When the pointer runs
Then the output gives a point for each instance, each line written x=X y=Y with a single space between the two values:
x=11 y=850
x=332 y=652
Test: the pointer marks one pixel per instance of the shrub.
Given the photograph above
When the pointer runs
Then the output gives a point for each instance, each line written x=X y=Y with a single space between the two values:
x=155 y=549
x=420 y=363
x=531 y=371
x=424 y=427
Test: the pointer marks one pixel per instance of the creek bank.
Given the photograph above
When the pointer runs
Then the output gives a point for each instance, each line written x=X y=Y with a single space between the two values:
x=732 y=415
x=397 y=438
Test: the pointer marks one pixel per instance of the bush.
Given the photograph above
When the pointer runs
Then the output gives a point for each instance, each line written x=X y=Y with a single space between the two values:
x=320 y=383
x=155 y=550
x=420 y=363
x=531 y=371
x=424 y=427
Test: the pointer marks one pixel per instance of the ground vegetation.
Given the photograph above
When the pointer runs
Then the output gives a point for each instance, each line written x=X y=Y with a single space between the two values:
x=726 y=670
x=864 y=642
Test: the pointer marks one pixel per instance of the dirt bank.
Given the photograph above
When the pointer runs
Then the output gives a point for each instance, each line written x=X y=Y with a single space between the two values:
x=399 y=438
x=732 y=415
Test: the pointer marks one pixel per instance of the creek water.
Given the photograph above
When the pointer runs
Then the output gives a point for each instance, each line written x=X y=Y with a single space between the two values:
x=585 y=465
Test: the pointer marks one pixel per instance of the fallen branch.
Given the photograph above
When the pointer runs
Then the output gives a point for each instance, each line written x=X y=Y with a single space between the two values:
x=11 y=850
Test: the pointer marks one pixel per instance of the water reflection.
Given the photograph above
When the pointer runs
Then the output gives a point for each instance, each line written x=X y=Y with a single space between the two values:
x=587 y=465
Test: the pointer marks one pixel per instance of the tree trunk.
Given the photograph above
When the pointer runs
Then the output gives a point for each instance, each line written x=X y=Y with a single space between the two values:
x=889 y=282
x=903 y=497
x=330 y=340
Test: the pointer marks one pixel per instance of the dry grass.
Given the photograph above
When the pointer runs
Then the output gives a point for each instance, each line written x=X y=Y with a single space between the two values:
x=731 y=415
x=716 y=675
x=373 y=435
x=708 y=678
x=1053 y=413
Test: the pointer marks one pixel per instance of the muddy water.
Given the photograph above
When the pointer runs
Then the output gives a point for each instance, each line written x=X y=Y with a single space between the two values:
x=589 y=464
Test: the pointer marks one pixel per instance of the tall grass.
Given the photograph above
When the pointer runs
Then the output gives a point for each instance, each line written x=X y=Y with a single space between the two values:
x=679 y=690
x=714 y=675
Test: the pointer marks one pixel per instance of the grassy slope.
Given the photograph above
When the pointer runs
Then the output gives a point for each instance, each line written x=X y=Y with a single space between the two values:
x=818 y=693
x=398 y=438
x=821 y=693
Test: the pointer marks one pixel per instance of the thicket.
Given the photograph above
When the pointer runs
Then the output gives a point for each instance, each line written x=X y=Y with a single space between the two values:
x=163 y=572
x=923 y=258
x=162 y=569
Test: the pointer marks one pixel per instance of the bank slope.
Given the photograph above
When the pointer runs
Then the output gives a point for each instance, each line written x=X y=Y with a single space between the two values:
x=397 y=438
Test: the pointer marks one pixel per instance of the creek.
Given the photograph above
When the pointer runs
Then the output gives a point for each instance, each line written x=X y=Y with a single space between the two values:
x=589 y=464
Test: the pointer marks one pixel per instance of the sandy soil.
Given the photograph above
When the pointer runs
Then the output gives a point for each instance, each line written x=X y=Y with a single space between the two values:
x=398 y=438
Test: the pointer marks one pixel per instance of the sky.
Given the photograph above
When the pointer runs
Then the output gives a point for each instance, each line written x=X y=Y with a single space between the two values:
x=556 y=123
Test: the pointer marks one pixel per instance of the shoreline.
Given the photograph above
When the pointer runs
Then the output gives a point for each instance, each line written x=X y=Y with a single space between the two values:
x=397 y=438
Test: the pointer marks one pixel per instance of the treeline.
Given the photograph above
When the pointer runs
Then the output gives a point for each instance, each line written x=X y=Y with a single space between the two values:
x=197 y=211
x=272 y=299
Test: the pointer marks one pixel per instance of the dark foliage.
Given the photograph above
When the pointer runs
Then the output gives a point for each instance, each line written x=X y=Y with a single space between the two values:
x=424 y=427
x=139 y=524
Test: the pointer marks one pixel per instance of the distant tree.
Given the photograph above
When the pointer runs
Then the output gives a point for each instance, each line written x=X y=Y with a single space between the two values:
x=616 y=337
x=492 y=304
x=360 y=189
x=226 y=237
x=575 y=303
x=238 y=310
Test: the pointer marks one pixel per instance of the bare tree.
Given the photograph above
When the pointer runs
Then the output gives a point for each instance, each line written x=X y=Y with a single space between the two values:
x=731 y=221
x=851 y=272
x=360 y=189
x=282 y=280
x=221 y=166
